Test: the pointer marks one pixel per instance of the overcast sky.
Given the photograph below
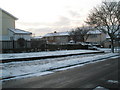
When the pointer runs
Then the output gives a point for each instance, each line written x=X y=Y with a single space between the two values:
x=46 y=16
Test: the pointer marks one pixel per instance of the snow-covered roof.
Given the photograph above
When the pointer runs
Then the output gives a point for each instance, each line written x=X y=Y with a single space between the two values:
x=37 y=37
x=94 y=32
x=107 y=36
x=18 y=31
x=57 y=34
x=8 y=14
x=117 y=32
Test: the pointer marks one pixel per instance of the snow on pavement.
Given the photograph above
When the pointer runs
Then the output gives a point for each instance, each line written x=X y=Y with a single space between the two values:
x=41 y=54
x=36 y=67
x=100 y=88
x=113 y=81
x=108 y=50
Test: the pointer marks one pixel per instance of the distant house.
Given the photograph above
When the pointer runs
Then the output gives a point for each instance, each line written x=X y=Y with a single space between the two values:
x=103 y=39
x=16 y=34
x=8 y=28
x=57 y=37
x=37 y=38
x=96 y=36
x=64 y=37
x=107 y=42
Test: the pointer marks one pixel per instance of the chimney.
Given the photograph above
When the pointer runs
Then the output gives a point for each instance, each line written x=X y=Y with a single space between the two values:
x=55 y=32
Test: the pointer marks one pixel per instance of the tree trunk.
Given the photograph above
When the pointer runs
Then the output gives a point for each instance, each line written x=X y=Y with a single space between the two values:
x=112 y=45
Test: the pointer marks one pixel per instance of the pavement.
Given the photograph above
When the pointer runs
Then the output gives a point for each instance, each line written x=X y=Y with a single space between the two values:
x=88 y=76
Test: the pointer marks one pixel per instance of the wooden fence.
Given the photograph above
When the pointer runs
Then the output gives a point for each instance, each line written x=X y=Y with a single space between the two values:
x=27 y=46
x=36 y=45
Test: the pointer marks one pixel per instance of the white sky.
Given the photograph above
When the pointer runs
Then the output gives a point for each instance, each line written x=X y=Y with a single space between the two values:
x=46 y=16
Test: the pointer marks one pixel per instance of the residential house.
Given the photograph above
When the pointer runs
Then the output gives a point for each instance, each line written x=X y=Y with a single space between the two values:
x=8 y=28
x=95 y=36
x=7 y=21
x=107 y=42
x=64 y=37
x=9 y=33
x=57 y=37
x=16 y=34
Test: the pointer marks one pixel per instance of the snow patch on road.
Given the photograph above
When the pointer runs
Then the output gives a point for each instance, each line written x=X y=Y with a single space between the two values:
x=30 y=75
x=100 y=88
x=66 y=68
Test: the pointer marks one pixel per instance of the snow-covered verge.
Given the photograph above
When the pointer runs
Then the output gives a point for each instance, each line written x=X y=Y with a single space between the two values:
x=100 y=88
x=113 y=81
x=105 y=49
x=108 y=50
x=31 y=68
x=41 y=54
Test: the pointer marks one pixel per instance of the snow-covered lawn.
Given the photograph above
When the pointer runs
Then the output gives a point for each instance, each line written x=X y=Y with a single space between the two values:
x=40 y=66
x=41 y=54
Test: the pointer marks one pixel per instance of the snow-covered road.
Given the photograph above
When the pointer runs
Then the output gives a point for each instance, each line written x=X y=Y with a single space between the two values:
x=40 y=67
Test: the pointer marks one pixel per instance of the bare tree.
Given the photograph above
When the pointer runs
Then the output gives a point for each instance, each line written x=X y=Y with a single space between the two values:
x=107 y=19
x=79 y=34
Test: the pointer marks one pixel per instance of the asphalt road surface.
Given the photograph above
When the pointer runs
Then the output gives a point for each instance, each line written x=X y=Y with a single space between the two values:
x=87 y=76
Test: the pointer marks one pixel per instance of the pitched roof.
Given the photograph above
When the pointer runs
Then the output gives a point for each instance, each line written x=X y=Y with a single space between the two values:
x=57 y=34
x=94 y=32
x=8 y=14
x=37 y=37
x=18 y=31
x=107 y=36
